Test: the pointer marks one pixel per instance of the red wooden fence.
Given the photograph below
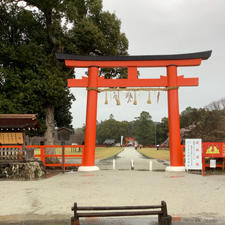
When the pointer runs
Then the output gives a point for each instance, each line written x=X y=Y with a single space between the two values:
x=43 y=154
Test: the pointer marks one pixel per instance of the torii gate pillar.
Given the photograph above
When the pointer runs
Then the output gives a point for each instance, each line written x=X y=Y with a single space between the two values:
x=176 y=156
x=91 y=118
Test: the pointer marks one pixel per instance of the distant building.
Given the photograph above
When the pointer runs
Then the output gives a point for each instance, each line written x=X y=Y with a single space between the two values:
x=60 y=134
x=109 y=142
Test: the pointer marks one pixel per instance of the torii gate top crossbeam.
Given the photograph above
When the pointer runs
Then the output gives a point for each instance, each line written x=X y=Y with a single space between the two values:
x=190 y=59
x=132 y=63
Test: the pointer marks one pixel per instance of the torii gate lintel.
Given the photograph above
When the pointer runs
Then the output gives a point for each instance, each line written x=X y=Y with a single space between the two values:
x=131 y=82
x=172 y=81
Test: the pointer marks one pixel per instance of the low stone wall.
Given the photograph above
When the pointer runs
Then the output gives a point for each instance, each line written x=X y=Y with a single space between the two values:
x=22 y=170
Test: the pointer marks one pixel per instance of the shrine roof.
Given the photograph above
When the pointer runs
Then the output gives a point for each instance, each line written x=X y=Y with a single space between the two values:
x=196 y=55
x=19 y=121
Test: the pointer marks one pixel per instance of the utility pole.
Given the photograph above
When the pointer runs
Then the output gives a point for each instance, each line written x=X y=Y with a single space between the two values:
x=155 y=133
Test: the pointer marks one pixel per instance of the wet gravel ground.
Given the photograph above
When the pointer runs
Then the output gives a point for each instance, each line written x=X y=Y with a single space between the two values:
x=123 y=221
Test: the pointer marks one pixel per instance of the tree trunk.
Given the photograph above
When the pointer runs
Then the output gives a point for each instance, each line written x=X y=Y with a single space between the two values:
x=50 y=134
x=50 y=125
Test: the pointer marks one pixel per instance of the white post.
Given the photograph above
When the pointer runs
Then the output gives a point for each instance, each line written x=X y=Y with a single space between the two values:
x=150 y=165
x=114 y=164
x=132 y=164
x=121 y=141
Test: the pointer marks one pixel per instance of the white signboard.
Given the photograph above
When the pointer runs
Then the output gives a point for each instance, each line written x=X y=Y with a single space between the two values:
x=212 y=163
x=193 y=154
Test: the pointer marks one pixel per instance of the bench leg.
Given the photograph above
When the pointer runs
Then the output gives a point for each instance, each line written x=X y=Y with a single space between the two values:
x=75 y=221
x=165 y=220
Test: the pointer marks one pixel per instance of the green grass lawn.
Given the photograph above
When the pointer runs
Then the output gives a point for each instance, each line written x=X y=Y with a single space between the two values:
x=68 y=151
x=106 y=152
x=100 y=152
x=163 y=154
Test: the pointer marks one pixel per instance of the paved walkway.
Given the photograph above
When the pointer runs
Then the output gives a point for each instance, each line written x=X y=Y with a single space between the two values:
x=129 y=159
x=191 y=198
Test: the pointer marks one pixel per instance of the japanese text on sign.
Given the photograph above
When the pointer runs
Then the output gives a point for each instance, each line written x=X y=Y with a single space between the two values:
x=193 y=154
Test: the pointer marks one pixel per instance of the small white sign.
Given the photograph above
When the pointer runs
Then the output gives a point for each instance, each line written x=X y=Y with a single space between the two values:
x=193 y=154
x=212 y=163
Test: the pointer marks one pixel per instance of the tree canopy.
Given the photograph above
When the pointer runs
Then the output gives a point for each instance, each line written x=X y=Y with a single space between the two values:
x=209 y=125
x=143 y=129
x=206 y=123
x=31 y=79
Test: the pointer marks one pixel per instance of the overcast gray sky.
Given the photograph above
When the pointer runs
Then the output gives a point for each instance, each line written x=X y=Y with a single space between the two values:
x=166 y=27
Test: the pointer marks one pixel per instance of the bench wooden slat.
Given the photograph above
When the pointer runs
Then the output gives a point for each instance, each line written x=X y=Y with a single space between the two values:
x=126 y=213
x=88 y=208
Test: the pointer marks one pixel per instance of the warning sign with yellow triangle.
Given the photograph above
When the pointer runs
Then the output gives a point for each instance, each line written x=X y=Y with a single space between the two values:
x=212 y=150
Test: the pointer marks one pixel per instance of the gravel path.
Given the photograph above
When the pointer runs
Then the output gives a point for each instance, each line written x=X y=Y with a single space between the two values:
x=140 y=162
x=187 y=195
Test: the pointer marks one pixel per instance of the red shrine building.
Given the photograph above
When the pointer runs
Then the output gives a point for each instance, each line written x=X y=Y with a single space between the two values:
x=171 y=80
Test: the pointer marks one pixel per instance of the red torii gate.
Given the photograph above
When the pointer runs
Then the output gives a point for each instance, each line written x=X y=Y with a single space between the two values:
x=127 y=139
x=172 y=81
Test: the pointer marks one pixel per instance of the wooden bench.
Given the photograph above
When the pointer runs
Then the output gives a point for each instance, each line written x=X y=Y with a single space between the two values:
x=115 y=211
